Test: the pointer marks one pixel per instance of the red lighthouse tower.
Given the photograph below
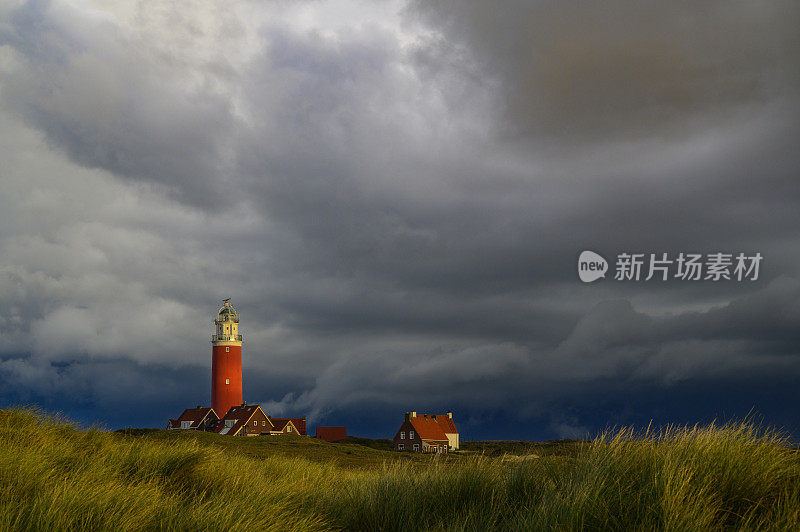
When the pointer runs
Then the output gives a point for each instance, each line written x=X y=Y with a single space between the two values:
x=226 y=361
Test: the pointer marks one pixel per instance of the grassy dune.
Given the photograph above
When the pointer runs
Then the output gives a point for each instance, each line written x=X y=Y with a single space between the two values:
x=54 y=476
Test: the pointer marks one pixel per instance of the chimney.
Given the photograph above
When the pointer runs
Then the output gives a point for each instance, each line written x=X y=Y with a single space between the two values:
x=413 y=413
x=450 y=415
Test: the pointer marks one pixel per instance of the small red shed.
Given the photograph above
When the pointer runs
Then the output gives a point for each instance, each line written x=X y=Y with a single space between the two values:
x=332 y=433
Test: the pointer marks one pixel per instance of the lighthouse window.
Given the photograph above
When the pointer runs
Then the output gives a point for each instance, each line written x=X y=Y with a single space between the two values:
x=227 y=349
x=227 y=381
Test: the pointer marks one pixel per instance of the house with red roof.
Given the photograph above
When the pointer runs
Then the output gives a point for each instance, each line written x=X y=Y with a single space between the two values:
x=241 y=420
x=289 y=425
x=245 y=420
x=427 y=433
x=200 y=418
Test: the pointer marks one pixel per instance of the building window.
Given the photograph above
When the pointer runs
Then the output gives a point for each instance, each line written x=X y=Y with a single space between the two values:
x=416 y=447
x=227 y=349
x=255 y=423
x=227 y=381
x=288 y=428
x=402 y=435
x=400 y=446
x=263 y=423
x=411 y=435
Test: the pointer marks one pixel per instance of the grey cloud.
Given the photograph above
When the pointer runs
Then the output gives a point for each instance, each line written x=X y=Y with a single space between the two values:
x=769 y=315
x=613 y=344
x=597 y=72
x=114 y=99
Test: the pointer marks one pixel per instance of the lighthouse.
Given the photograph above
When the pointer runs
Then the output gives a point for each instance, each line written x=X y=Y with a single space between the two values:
x=226 y=360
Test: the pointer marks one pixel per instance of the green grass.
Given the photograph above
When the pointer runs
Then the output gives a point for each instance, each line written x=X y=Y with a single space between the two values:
x=54 y=476
x=524 y=448
x=382 y=445
x=353 y=453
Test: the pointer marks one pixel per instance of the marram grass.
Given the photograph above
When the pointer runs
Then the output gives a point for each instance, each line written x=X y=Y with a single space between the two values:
x=54 y=476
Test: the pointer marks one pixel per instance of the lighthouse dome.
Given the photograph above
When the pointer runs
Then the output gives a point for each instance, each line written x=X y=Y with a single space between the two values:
x=227 y=313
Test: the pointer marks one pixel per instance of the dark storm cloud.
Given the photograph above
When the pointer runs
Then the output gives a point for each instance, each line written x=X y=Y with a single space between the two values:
x=100 y=392
x=615 y=70
x=397 y=205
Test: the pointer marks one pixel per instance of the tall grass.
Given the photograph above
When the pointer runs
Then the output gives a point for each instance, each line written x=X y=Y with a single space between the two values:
x=56 y=477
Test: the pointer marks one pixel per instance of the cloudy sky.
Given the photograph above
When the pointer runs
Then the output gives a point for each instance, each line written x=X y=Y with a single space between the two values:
x=394 y=194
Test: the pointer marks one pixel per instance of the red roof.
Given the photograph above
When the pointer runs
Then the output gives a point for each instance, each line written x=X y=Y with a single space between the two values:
x=433 y=427
x=299 y=423
x=332 y=433
x=236 y=418
x=195 y=415
x=446 y=422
